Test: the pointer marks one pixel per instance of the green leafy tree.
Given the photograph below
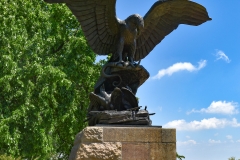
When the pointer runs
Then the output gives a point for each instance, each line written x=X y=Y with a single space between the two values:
x=46 y=73
x=180 y=156
x=232 y=158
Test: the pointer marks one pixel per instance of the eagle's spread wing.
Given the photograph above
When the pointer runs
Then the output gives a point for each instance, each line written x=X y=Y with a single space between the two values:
x=98 y=21
x=163 y=18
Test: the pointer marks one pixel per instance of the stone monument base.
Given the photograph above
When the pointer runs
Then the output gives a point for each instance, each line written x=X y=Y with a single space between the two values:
x=124 y=143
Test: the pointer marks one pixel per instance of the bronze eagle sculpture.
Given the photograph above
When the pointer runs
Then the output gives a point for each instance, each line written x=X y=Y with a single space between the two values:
x=128 y=41
x=134 y=38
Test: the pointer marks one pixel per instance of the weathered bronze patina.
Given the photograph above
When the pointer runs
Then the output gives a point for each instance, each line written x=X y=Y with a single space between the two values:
x=128 y=41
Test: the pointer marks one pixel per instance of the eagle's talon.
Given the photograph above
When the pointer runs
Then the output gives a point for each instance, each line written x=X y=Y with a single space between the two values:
x=119 y=63
x=132 y=64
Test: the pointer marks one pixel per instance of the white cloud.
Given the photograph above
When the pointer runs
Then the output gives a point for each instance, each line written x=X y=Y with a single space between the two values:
x=238 y=141
x=180 y=67
x=188 y=137
x=188 y=142
x=216 y=134
x=221 y=55
x=160 y=109
x=214 y=141
x=211 y=123
x=229 y=137
x=219 y=107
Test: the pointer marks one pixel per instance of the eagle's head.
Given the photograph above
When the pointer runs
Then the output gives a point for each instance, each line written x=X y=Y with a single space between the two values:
x=135 y=21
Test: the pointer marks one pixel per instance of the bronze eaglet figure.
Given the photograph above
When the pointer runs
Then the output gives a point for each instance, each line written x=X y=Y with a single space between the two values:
x=134 y=38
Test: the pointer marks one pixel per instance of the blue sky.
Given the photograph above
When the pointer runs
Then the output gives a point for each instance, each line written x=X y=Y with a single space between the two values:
x=194 y=82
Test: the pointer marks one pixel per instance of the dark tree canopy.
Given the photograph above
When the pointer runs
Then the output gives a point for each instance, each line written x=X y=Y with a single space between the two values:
x=46 y=73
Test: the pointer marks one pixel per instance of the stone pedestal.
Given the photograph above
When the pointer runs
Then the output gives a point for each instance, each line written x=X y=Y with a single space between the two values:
x=124 y=143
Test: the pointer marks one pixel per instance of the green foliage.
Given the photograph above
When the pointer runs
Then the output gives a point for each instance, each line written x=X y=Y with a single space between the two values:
x=180 y=156
x=232 y=158
x=46 y=73
x=5 y=157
